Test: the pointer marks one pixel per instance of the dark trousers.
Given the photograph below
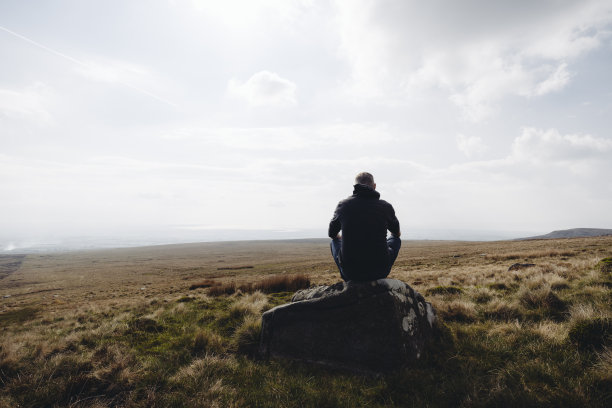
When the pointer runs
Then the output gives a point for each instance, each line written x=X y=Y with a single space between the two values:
x=393 y=244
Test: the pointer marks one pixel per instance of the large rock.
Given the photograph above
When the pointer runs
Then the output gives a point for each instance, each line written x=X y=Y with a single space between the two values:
x=370 y=326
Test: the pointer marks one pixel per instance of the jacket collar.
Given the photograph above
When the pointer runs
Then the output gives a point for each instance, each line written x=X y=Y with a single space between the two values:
x=361 y=190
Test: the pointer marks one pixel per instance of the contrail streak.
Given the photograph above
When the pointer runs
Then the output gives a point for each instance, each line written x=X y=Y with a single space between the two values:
x=83 y=64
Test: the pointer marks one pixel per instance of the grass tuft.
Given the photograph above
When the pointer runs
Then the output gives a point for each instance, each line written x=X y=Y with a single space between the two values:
x=222 y=289
x=542 y=298
x=199 y=384
x=444 y=290
x=603 y=366
x=559 y=283
x=458 y=311
x=249 y=304
x=246 y=336
x=282 y=283
x=207 y=342
x=146 y=325
x=499 y=309
x=605 y=265
x=498 y=286
x=18 y=316
x=591 y=333
x=204 y=284
x=482 y=295
x=272 y=284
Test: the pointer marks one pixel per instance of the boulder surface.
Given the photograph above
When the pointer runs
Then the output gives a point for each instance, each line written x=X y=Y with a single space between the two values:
x=363 y=326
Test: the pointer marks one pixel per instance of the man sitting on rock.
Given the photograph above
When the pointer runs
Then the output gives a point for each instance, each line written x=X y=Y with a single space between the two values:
x=363 y=252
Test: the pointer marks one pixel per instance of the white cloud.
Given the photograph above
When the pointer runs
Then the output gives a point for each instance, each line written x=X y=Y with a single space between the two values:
x=477 y=51
x=484 y=80
x=287 y=138
x=266 y=139
x=242 y=138
x=243 y=14
x=548 y=180
x=550 y=145
x=365 y=47
x=471 y=146
x=27 y=103
x=264 y=88
x=555 y=82
x=353 y=135
x=101 y=69
x=568 y=29
x=112 y=71
x=478 y=94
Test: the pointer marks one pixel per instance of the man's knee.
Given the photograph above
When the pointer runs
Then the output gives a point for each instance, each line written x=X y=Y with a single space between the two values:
x=335 y=246
x=395 y=243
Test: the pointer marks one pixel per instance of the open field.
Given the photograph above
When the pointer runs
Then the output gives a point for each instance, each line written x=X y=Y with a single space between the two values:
x=122 y=327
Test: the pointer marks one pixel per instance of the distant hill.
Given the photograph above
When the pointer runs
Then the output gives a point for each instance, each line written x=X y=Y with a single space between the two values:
x=574 y=233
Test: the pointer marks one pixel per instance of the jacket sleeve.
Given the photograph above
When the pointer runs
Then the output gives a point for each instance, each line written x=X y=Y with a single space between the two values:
x=392 y=222
x=335 y=224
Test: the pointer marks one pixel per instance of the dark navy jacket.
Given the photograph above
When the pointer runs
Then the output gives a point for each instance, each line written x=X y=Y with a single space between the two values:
x=364 y=220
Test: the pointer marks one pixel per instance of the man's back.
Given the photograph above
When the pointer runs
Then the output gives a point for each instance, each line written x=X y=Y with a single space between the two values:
x=364 y=220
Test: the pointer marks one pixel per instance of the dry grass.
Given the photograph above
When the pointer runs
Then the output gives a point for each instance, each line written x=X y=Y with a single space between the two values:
x=246 y=336
x=201 y=381
x=282 y=283
x=603 y=367
x=222 y=289
x=552 y=331
x=208 y=342
x=483 y=295
x=122 y=329
x=499 y=309
x=252 y=304
x=270 y=284
x=506 y=329
x=456 y=310
x=546 y=253
x=541 y=297
x=585 y=311
x=204 y=284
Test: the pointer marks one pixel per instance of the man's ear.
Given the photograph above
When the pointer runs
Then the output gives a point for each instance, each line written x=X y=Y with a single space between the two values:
x=374 y=186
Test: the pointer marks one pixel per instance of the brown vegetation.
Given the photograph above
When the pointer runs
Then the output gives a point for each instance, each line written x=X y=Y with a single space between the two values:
x=122 y=329
x=234 y=268
x=204 y=284
x=271 y=284
x=280 y=283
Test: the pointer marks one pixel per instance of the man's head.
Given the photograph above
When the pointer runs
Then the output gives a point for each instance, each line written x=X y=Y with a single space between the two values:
x=366 y=179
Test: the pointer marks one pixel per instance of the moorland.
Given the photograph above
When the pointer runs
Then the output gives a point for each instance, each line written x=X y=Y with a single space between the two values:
x=178 y=326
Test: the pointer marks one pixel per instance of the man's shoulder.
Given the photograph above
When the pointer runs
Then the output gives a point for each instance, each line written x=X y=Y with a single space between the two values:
x=347 y=199
x=346 y=203
x=388 y=208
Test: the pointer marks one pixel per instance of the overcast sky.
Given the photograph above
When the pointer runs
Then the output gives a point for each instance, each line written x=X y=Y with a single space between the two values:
x=476 y=114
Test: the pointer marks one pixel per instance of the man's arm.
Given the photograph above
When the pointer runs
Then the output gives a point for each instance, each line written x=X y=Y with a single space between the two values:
x=335 y=224
x=393 y=223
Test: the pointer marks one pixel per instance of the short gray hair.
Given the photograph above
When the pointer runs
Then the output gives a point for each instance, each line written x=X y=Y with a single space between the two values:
x=365 y=178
